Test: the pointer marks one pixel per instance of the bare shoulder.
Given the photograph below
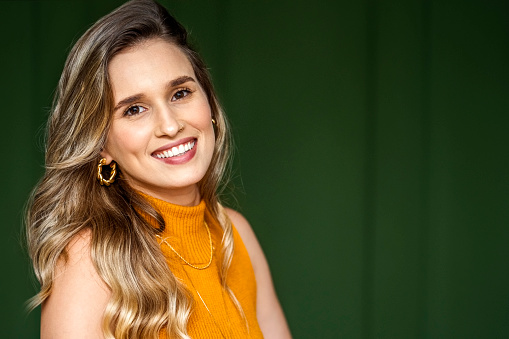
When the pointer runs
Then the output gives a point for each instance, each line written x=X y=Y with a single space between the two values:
x=245 y=230
x=79 y=296
x=237 y=219
x=249 y=239
x=268 y=310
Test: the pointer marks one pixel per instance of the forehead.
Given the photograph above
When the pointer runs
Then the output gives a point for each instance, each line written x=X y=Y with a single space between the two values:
x=147 y=64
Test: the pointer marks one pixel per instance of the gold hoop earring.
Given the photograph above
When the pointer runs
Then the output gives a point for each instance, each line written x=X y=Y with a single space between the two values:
x=214 y=121
x=103 y=181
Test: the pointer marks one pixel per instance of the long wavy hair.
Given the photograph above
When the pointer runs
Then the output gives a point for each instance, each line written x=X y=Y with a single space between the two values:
x=145 y=296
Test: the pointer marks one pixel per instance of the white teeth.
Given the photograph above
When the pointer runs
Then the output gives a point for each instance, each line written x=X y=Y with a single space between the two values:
x=177 y=150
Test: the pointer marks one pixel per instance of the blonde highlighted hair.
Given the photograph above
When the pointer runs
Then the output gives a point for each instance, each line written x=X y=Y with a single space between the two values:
x=145 y=295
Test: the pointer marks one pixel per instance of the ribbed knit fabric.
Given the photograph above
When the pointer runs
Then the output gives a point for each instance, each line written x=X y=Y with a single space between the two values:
x=186 y=232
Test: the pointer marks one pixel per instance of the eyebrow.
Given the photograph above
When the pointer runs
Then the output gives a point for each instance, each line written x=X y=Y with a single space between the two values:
x=133 y=98
x=180 y=80
x=127 y=101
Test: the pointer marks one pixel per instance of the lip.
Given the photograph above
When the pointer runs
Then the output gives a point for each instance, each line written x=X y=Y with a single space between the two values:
x=180 y=159
x=173 y=144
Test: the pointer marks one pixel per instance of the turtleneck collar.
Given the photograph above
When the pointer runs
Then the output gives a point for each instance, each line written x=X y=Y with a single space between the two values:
x=184 y=228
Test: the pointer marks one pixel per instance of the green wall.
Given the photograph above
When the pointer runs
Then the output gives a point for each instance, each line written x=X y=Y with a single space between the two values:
x=371 y=153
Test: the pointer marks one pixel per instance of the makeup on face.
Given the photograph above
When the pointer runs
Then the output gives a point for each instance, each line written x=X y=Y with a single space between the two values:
x=161 y=135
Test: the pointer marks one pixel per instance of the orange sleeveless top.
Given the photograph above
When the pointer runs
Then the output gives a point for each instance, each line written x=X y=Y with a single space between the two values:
x=214 y=314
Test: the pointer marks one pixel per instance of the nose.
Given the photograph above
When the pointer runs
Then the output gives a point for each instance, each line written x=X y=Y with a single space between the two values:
x=167 y=123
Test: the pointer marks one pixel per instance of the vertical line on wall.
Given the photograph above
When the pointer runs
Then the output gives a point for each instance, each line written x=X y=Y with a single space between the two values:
x=224 y=42
x=37 y=133
x=426 y=160
x=35 y=118
x=234 y=193
x=370 y=183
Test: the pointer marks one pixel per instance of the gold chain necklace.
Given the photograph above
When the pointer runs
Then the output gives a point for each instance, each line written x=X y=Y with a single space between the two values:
x=163 y=240
x=204 y=304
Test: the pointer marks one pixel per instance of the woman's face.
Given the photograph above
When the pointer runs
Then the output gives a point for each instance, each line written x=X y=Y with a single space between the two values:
x=161 y=133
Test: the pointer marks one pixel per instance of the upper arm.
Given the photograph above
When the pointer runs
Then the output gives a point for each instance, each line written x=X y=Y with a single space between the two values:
x=268 y=310
x=78 y=297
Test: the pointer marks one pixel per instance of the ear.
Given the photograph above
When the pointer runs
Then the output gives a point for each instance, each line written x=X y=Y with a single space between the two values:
x=106 y=154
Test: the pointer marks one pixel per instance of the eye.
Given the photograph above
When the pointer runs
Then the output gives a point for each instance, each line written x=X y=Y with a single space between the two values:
x=180 y=94
x=134 y=110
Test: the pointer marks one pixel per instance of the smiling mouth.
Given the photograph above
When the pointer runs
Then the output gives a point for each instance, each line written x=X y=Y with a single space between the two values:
x=176 y=150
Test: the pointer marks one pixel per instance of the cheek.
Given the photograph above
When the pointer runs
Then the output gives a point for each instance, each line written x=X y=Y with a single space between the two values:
x=204 y=118
x=125 y=140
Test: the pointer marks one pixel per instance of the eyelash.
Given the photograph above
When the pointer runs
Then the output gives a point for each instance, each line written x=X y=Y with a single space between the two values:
x=183 y=89
x=126 y=113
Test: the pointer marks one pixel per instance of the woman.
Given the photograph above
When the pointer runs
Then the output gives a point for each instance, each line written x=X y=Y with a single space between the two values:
x=145 y=250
